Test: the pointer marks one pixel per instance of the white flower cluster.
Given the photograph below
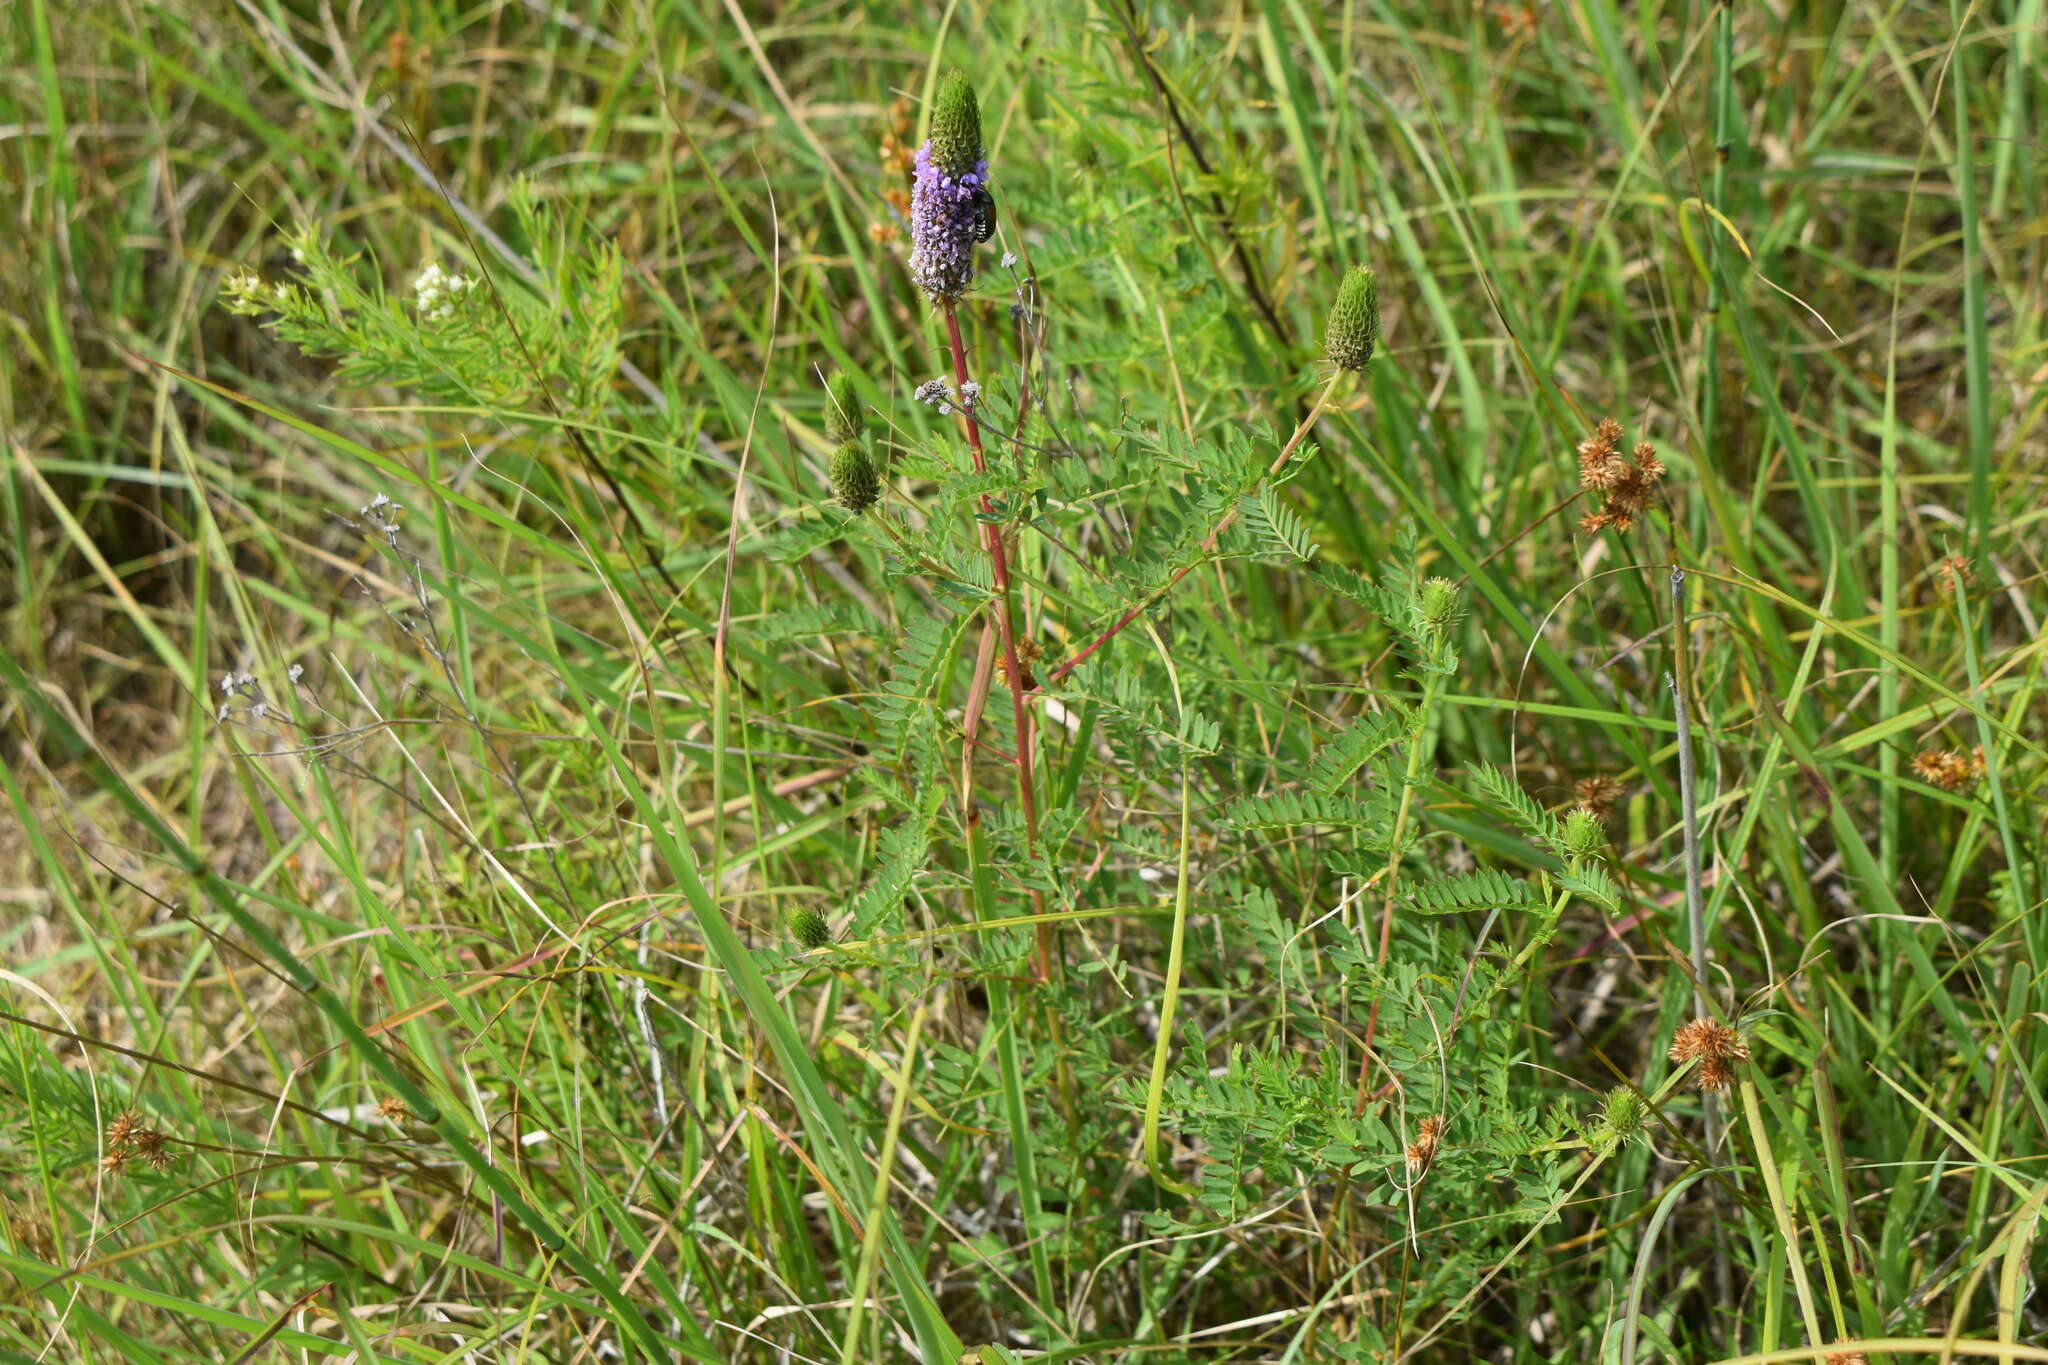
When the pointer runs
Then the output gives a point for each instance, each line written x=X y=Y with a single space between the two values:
x=249 y=293
x=438 y=291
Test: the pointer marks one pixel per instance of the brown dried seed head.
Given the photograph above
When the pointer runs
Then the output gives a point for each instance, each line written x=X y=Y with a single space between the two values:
x=1848 y=1358
x=1949 y=770
x=1715 y=1046
x=122 y=1130
x=1421 y=1153
x=1597 y=794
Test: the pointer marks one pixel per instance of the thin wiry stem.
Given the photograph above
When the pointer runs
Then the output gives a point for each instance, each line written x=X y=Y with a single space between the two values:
x=1006 y=627
x=1688 y=795
x=1689 y=814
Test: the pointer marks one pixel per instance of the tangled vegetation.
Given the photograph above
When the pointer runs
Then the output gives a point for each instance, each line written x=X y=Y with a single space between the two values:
x=1083 y=682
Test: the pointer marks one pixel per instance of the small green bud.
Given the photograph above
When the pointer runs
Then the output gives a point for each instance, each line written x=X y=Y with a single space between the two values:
x=1623 y=1114
x=1583 y=835
x=1354 y=328
x=845 y=419
x=956 y=126
x=1438 y=601
x=854 y=480
x=809 y=928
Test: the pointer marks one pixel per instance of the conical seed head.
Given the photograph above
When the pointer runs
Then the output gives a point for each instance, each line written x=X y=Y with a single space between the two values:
x=854 y=480
x=956 y=126
x=845 y=419
x=1354 y=328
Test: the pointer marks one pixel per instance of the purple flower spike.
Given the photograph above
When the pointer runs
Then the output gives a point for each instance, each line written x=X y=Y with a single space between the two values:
x=950 y=208
x=945 y=212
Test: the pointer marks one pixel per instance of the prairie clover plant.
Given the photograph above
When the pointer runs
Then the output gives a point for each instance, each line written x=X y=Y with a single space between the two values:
x=1022 y=569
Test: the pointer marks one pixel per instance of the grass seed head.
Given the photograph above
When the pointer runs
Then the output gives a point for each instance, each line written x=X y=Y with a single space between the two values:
x=1429 y=1140
x=1715 y=1046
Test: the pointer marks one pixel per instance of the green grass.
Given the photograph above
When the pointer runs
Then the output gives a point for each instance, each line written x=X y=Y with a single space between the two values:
x=421 y=878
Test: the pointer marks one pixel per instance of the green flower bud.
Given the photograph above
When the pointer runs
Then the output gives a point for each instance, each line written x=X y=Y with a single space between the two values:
x=854 y=480
x=1354 y=328
x=956 y=126
x=1623 y=1114
x=845 y=419
x=1438 y=601
x=809 y=928
x=1583 y=835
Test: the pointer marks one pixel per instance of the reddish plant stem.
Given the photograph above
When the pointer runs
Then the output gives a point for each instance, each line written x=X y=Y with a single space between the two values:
x=1209 y=544
x=1006 y=628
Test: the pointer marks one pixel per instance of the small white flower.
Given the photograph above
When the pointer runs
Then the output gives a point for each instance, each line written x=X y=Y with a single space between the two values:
x=931 y=391
x=970 y=394
x=1009 y=259
x=295 y=672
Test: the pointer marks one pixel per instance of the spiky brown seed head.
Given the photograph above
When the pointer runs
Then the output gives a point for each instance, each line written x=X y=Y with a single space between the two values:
x=1715 y=1046
x=1848 y=1358
x=1627 y=485
x=1421 y=1154
x=1598 y=455
x=854 y=480
x=1353 y=333
x=1949 y=770
x=121 y=1132
x=1597 y=794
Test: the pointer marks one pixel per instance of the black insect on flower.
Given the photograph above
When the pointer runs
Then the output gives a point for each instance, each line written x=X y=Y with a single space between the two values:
x=984 y=214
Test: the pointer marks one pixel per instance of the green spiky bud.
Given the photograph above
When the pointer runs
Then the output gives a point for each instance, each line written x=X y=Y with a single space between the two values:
x=809 y=928
x=845 y=419
x=956 y=126
x=1438 y=602
x=1623 y=1114
x=854 y=480
x=1354 y=328
x=1582 y=835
